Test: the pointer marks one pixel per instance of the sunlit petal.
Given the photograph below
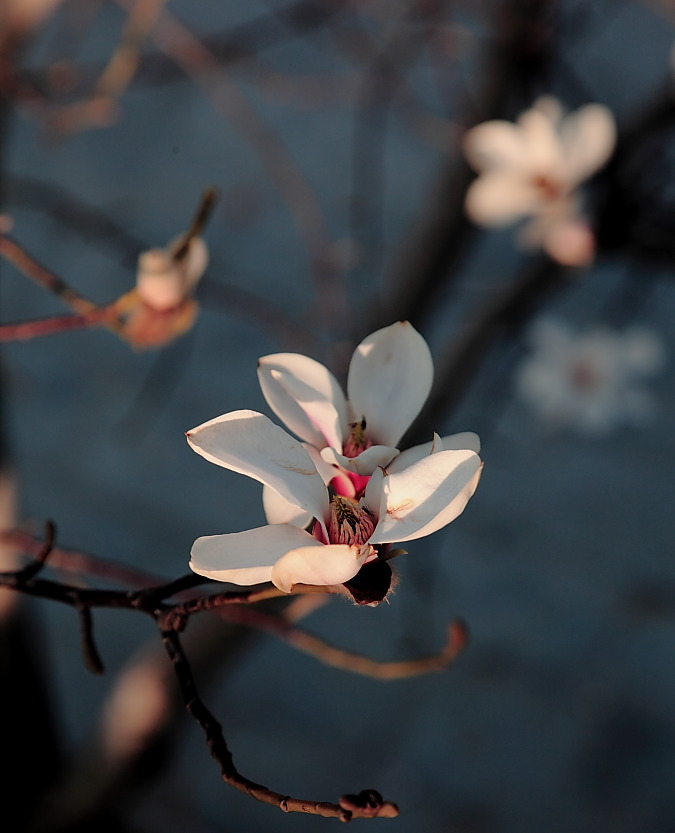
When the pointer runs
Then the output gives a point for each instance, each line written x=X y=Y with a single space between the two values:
x=495 y=144
x=246 y=557
x=306 y=396
x=390 y=377
x=326 y=564
x=453 y=442
x=426 y=496
x=249 y=443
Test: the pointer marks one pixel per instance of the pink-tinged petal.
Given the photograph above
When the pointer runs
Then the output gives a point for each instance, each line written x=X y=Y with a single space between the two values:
x=495 y=144
x=306 y=396
x=249 y=443
x=390 y=377
x=279 y=511
x=588 y=137
x=246 y=557
x=326 y=564
x=426 y=496
x=453 y=442
x=501 y=198
x=364 y=463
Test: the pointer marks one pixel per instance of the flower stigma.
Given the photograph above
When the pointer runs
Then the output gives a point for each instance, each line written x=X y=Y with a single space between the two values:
x=349 y=522
x=357 y=440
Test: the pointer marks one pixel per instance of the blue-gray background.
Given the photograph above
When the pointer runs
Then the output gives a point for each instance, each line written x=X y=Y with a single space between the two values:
x=559 y=716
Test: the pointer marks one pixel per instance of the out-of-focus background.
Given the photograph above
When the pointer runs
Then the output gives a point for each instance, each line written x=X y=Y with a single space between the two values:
x=333 y=133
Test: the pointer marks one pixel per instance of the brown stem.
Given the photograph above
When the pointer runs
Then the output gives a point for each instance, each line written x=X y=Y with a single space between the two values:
x=223 y=757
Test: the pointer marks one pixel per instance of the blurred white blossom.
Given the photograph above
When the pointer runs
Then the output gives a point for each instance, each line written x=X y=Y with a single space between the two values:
x=161 y=306
x=533 y=168
x=590 y=382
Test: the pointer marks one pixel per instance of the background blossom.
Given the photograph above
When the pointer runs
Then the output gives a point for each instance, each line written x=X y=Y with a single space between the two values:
x=590 y=381
x=533 y=168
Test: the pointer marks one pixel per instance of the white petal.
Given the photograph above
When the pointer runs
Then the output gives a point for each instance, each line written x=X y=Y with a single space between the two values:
x=306 y=396
x=159 y=281
x=426 y=496
x=588 y=138
x=364 y=463
x=279 y=511
x=373 y=499
x=251 y=444
x=500 y=198
x=246 y=557
x=453 y=442
x=540 y=128
x=390 y=377
x=325 y=565
x=496 y=144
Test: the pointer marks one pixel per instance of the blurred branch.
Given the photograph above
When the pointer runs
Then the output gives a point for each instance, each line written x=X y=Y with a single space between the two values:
x=505 y=313
x=431 y=259
x=98 y=109
x=346 y=660
x=43 y=277
x=187 y=51
x=26 y=330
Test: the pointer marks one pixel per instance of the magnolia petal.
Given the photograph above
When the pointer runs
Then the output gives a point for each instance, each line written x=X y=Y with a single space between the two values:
x=372 y=498
x=249 y=443
x=543 y=148
x=588 y=137
x=326 y=564
x=501 y=198
x=390 y=377
x=495 y=144
x=453 y=442
x=306 y=396
x=279 y=511
x=364 y=463
x=426 y=496
x=246 y=557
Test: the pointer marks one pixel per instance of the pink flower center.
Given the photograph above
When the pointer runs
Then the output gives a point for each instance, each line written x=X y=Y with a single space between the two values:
x=549 y=188
x=349 y=522
x=584 y=376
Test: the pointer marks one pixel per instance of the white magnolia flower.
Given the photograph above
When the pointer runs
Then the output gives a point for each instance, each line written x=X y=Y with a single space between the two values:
x=533 y=168
x=394 y=505
x=389 y=379
x=589 y=381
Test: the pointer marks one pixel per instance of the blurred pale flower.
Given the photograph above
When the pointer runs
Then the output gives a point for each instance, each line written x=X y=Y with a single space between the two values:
x=347 y=532
x=389 y=379
x=161 y=306
x=589 y=381
x=533 y=168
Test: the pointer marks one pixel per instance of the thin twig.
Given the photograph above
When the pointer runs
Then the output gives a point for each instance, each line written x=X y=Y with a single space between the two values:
x=31 y=268
x=223 y=757
x=27 y=330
